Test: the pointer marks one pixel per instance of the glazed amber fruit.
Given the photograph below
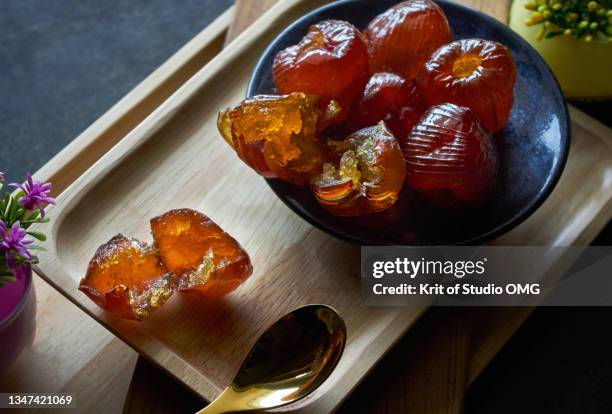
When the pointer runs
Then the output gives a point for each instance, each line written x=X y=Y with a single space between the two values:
x=276 y=135
x=411 y=115
x=450 y=159
x=207 y=260
x=476 y=73
x=388 y=97
x=125 y=277
x=252 y=152
x=368 y=176
x=402 y=39
x=331 y=61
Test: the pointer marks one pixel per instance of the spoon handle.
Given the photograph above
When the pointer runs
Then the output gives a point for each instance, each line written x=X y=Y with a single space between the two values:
x=211 y=408
x=224 y=403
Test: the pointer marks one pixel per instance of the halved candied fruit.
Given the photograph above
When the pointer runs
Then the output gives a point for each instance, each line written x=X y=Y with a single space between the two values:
x=276 y=135
x=450 y=159
x=368 y=176
x=207 y=260
x=331 y=61
x=252 y=153
x=388 y=97
x=476 y=73
x=126 y=277
x=401 y=39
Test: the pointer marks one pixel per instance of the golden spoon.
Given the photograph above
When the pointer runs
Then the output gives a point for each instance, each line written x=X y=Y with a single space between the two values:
x=289 y=361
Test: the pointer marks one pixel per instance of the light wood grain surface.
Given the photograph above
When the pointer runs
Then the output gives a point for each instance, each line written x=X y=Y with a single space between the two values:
x=482 y=353
x=247 y=12
x=496 y=8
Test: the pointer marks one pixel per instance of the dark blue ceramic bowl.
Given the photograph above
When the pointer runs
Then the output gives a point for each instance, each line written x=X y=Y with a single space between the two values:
x=533 y=147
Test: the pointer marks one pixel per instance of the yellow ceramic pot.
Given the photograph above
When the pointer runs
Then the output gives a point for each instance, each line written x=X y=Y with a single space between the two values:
x=584 y=70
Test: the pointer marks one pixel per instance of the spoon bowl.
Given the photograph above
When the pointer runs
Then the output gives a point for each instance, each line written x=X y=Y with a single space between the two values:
x=290 y=360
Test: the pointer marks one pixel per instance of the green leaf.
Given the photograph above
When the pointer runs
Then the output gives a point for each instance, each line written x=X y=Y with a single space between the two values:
x=29 y=222
x=34 y=247
x=30 y=219
x=37 y=235
x=12 y=210
x=33 y=216
x=19 y=213
x=5 y=279
x=7 y=210
x=5 y=205
x=550 y=35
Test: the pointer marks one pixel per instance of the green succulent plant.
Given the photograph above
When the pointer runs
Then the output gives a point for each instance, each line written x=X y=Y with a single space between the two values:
x=585 y=20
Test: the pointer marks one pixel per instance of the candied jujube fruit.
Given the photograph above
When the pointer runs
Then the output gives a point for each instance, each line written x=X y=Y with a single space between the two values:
x=388 y=97
x=450 y=159
x=331 y=61
x=368 y=176
x=126 y=277
x=401 y=39
x=252 y=153
x=476 y=73
x=276 y=135
x=410 y=116
x=207 y=260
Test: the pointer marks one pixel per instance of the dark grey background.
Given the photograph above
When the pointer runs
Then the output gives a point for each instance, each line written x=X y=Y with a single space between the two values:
x=63 y=63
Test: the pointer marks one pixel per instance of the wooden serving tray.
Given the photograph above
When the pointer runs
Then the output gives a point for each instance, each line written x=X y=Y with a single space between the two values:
x=175 y=158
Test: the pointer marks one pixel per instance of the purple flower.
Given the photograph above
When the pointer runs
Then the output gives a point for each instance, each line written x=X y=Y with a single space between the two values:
x=14 y=239
x=35 y=194
x=14 y=242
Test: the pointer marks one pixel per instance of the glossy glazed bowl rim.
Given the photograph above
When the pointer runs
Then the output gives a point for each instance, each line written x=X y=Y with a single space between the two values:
x=498 y=230
x=21 y=304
